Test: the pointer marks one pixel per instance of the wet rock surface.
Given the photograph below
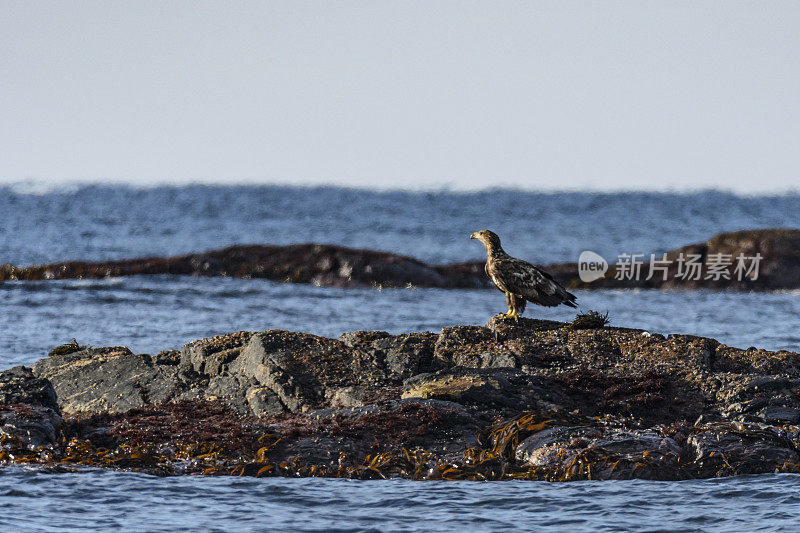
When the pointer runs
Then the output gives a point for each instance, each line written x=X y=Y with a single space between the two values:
x=731 y=448
x=339 y=266
x=603 y=452
x=531 y=399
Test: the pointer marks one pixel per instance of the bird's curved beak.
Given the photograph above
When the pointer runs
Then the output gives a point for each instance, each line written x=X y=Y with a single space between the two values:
x=473 y=236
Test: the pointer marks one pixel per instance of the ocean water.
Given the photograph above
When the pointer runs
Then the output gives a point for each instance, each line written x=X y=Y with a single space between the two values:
x=113 y=501
x=151 y=313
x=114 y=222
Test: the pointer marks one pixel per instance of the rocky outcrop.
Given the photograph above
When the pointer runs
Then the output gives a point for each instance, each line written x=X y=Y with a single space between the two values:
x=339 y=266
x=530 y=399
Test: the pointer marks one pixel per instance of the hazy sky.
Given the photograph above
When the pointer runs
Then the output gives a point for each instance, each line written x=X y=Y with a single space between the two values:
x=540 y=95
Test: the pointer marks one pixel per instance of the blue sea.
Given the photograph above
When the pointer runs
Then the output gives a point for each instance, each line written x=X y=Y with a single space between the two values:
x=151 y=313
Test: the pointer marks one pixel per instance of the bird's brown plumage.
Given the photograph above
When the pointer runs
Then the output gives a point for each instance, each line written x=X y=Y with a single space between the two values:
x=520 y=280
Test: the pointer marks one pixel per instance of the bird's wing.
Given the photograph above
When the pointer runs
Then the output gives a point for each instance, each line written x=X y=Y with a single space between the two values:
x=495 y=275
x=533 y=283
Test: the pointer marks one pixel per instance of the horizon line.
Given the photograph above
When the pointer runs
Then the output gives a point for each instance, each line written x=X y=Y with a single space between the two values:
x=45 y=186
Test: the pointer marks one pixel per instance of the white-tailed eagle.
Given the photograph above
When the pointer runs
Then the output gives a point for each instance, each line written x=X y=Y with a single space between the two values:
x=520 y=280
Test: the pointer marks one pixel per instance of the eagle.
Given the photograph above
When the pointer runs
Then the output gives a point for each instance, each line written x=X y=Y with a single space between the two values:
x=520 y=280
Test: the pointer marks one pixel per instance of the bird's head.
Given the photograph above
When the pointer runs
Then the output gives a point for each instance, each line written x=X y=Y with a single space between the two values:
x=488 y=238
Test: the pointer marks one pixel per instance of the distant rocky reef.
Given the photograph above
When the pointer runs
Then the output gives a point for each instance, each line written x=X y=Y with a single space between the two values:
x=328 y=265
x=531 y=399
x=318 y=264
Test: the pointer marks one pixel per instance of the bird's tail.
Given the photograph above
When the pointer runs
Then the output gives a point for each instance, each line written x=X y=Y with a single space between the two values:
x=569 y=298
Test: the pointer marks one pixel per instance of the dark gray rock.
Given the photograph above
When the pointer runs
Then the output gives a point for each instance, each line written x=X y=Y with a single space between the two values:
x=32 y=425
x=355 y=339
x=769 y=410
x=211 y=356
x=776 y=414
x=602 y=453
x=740 y=408
x=167 y=357
x=304 y=371
x=20 y=385
x=393 y=358
x=29 y=414
x=230 y=389
x=731 y=448
x=471 y=346
x=263 y=402
x=207 y=363
x=109 y=379
x=506 y=390
x=442 y=427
